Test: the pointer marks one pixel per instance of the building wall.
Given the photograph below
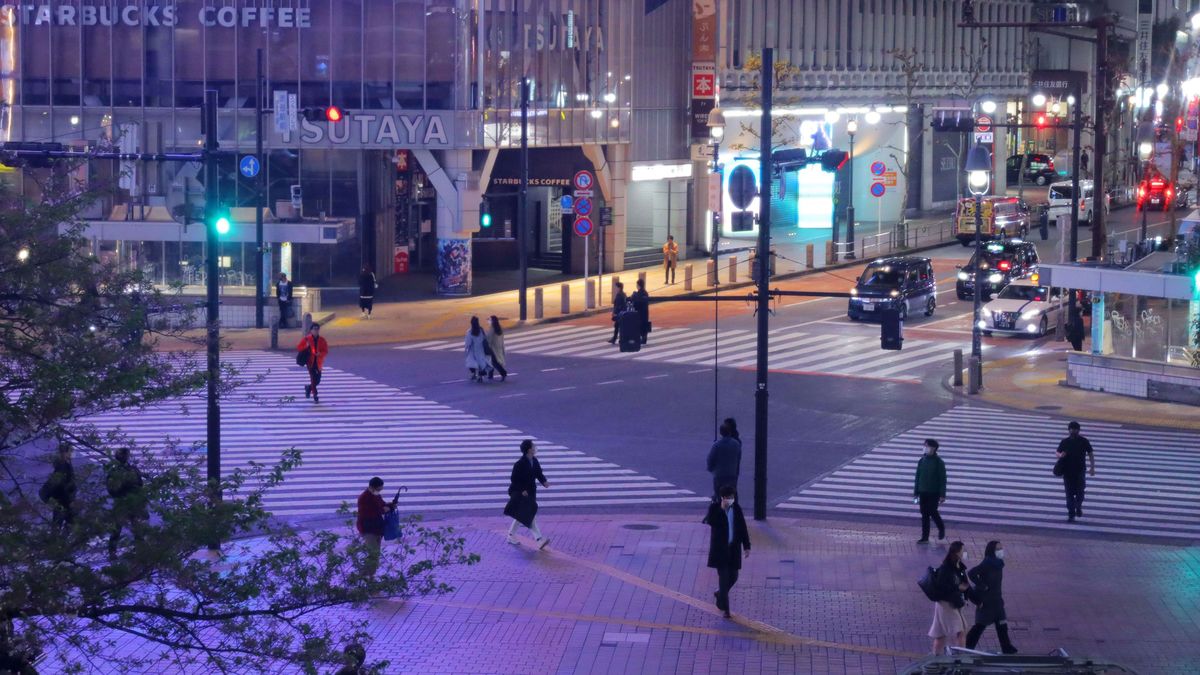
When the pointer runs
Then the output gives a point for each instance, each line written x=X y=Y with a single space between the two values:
x=660 y=88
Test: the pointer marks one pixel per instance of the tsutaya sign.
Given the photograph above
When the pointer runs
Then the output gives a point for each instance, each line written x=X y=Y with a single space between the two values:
x=426 y=129
x=164 y=13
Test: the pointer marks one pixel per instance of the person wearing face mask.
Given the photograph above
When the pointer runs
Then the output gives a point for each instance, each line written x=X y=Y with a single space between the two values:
x=948 y=623
x=371 y=509
x=929 y=490
x=988 y=576
x=729 y=543
x=522 y=494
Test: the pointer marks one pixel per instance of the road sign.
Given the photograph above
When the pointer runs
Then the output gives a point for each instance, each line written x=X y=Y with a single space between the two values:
x=985 y=137
x=583 y=226
x=567 y=202
x=877 y=189
x=704 y=84
x=889 y=179
x=249 y=166
x=605 y=216
x=742 y=188
x=983 y=124
x=583 y=180
x=583 y=206
x=877 y=168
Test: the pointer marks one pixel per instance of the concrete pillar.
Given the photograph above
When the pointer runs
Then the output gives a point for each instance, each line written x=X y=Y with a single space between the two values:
x=687 y=277
x=712 y=273
x=612 y=291
x=565 y=291
x=642 y=277
x=808 y=256
x=539 y=309
x=733 y=261
x=589 y=294
x=457 y=216
x=612 y=176
x=829 y=253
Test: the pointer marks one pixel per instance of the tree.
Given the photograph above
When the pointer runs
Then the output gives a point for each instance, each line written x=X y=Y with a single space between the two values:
x=78 y=337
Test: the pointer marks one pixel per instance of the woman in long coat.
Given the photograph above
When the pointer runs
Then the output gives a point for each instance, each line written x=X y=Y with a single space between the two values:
x=726 y=547
x=988 y=577
x=476 y=347
x=495 y=340
x=522 y=494
x=948 y=623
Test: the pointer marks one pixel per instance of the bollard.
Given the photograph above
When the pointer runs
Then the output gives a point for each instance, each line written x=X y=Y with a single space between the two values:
x=308 y=322
x=733 y=269
x=589 y=294
x=565 y=289
x=829 y=255
x=958 y=365
x=612 y=295
x=808 y=256
x=687 y=277
x=274 y=335
x=712 y=273
x=975 y=374
x=642 y=277
x=539 y=309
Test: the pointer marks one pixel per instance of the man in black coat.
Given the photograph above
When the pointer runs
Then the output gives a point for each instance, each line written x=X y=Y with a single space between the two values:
x=61 y=489
x=126 y=487
x=641 y=304
x=619 y=302
x=1075 y=452
x=730 y=542
x=522 y=494
x=283 y=294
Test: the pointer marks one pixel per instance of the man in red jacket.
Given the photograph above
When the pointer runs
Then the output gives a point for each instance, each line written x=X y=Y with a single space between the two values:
x=317 y=349
x=371 y=509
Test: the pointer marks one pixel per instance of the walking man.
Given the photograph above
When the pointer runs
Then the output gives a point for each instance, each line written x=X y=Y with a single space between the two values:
x=929 y=490
x=366 y=291
x=1076 y=454
x=283 y=294
x=60 y=489
x=725 y=459
x=1075 y=330
x=125 y=485
x=317 y=349
x=729 y=543
x=369 y=522
x=641 y=304
x=619 y=302
x=670 y=260
x=522 y=494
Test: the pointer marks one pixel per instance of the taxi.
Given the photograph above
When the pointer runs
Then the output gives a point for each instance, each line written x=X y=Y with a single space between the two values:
x=1023 y=307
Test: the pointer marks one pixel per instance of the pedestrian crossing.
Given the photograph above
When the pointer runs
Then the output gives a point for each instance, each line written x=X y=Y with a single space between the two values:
x=999 y=472
x=448 y=459
x=790 y=349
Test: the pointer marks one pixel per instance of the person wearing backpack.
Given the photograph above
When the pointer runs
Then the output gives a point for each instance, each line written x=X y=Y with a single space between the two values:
x=988 y=576
x=949 y=626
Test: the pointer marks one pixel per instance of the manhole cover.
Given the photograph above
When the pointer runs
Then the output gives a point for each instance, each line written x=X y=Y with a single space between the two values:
x=1048 y=407
x=640 y=526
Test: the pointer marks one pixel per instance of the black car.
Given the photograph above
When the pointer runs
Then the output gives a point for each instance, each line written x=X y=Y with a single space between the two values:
x=906 y=284
x=1039 y=168
x=1003 y=261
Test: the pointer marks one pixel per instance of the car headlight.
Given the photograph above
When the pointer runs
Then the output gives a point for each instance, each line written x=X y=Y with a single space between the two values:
x=963 y=276
x=1030 y=314
x=895 y=293
x=853 y=291
x=985 y=311
x=996 y=278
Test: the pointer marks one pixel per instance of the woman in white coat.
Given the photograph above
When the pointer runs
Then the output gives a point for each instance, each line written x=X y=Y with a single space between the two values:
x=495 y=340
x=478 y=361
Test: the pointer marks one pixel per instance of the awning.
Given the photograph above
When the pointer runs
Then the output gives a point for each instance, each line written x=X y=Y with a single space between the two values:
x=548 y=167
x=1114 y=280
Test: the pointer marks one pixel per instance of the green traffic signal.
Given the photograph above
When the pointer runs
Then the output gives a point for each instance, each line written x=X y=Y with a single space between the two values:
x=222 y=224
x=485 y=219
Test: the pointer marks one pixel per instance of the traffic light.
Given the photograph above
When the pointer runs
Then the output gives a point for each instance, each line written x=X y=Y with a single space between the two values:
x=221 y=222
x=328 y=114
x=953 y=121
x=832 y=160
x=1040 y=120
x=485 y=215
x=891 y=330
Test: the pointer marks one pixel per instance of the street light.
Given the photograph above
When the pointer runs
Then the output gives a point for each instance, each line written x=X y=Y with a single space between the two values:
x=716 y=131
x=988 y=106
x=1039 y=100
x=979 y=167
x=873 y=117
x=851 y=129
x=22 y=254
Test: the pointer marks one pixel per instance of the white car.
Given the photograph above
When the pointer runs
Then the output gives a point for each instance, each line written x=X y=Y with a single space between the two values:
x=1022 y=308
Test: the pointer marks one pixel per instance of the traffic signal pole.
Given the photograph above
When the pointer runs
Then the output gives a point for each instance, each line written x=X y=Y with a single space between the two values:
x=211 y=198
x=763 y=257
x=260 y=283
x=523 y=198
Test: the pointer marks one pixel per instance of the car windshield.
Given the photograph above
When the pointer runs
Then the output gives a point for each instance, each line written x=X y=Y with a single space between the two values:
x=1061 y=192
x=992 y=258
x=881 y=275
x=1023 y=292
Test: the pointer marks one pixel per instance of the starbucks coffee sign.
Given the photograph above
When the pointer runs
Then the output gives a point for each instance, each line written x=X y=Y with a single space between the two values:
x=160 y=13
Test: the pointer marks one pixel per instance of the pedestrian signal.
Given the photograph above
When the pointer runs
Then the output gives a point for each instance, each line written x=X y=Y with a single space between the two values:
x=485 y=216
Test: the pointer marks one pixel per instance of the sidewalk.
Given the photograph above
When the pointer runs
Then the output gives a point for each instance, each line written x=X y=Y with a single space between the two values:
x=631 y=593
x=1031 y=382
x=405 y=312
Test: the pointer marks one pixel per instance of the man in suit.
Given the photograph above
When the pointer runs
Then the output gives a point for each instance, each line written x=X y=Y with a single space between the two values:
x=283 y=293
x=730 y=543
x=619 y=302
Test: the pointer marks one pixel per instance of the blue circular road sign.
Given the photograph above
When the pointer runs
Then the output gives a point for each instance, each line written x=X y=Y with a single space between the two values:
x=583 y=226
x=249 y=166
x=877 y=189
x=583 y=206
x=877 y=168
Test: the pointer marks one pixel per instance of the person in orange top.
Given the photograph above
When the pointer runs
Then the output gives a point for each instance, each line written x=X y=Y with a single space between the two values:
x=317 y=349
x=670 y=259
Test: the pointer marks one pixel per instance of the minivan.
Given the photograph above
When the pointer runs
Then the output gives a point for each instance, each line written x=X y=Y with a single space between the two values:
x=1059 y=200
x=902 y=283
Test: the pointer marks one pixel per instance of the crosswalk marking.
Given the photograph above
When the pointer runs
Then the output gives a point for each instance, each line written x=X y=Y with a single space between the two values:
x=789 y=349
x=449 y=459
x=998 y=466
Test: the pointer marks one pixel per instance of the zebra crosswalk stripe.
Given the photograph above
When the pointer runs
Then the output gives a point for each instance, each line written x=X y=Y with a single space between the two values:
x=998 y=466
x=449 y=459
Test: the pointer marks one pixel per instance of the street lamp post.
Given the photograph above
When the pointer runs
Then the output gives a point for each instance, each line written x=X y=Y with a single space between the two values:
x=716 y=131
x=851 y=129
x=979 y=166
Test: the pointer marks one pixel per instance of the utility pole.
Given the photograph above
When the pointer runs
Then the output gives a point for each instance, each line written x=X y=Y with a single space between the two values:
x=523 y=198
x=260 y=283
x=1099 y=231
x=764 y=298
x=1076 y=142
x=211 y=198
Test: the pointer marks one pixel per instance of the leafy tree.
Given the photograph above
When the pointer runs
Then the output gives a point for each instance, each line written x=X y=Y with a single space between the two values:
x=78 y=337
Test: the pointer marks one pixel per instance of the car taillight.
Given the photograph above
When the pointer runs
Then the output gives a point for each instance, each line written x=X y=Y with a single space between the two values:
x=1141 y=191
x=1050 y=164
x=1156 y=183
x=1168 y=193
x=1005 y=265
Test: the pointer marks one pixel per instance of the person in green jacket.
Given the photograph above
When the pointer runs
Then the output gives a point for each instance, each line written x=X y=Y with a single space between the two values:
x=929 y=490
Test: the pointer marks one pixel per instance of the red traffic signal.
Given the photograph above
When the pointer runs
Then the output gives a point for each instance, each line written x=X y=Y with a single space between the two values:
x=1040 y=120
x=333 y=114
x=329 y=114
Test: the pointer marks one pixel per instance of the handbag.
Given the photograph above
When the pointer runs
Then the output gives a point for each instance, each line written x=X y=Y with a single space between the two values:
x=391 y=525
x=302 y=358
x=928 y=584
x=1060 y=467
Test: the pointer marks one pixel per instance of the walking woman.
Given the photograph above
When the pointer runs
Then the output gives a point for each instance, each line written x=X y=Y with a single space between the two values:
x=948 y=623
x=476 y=346
x=522 y=494
x=988 y=577
x=366 y=290
x=495 y=340
x=316 y=349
